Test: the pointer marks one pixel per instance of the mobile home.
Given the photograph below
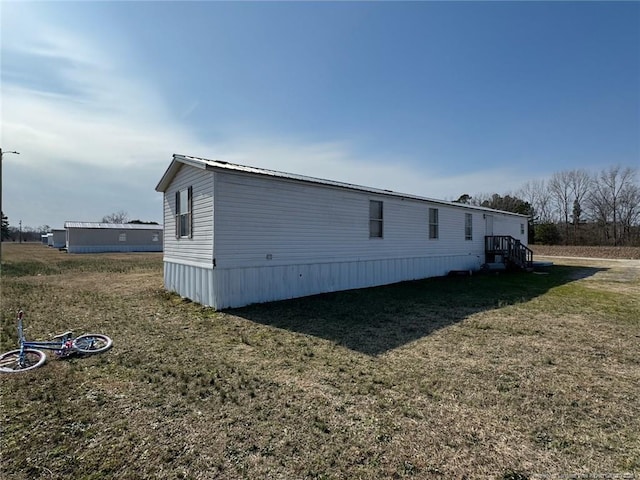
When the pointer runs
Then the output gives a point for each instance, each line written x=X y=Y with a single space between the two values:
x=236 y=235
x=57 y=238
x=93 y=237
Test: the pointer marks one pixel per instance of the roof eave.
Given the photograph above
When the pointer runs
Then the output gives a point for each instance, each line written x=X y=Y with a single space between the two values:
x=173 y=168
x=218 y=165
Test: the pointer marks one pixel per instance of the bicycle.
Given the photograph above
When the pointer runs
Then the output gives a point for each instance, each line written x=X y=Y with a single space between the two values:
x=30 y=354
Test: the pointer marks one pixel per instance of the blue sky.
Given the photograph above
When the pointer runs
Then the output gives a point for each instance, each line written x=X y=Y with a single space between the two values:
x=431 y=98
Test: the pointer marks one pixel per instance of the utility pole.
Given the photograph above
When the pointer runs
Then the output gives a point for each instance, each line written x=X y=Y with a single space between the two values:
x=1 y=154
x=20 y=236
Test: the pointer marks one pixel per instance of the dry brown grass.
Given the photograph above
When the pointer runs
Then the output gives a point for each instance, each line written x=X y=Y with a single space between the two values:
x=506 y=376
x=587 y=251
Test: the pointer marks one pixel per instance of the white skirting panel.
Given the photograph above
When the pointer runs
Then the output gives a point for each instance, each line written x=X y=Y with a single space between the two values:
x=113 y=248
x=229 y=288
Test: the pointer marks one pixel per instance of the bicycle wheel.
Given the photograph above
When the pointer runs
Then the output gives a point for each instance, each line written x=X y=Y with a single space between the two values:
x=32 y=358
x=92 y=343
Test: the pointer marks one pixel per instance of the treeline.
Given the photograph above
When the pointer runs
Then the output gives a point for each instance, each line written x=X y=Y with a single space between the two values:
x=573 y=207
x=26 y=234
x=21 y=234
x=30 y=234
x=576 y=207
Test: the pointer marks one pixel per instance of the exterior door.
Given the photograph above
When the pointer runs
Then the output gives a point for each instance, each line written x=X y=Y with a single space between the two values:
x=488 y=219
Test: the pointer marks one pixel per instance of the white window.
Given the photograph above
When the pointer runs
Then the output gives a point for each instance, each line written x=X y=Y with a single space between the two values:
x=123 y=237
x=155 y=237
x=522 y=229
x=433 y=223
x=184 y=200
x=375 y=219
x=468 y=226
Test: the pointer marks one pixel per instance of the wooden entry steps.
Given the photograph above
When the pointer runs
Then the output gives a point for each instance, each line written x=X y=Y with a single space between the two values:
x=505 y=249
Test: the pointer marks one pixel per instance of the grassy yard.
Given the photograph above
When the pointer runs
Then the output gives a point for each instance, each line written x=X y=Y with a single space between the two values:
x=509 y=376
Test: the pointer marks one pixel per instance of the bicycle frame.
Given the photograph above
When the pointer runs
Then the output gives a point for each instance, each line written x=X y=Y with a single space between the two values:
x=62 y=346
x=30 y=354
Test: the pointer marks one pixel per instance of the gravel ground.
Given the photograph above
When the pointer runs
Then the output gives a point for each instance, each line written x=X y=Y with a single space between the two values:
x=631 y=253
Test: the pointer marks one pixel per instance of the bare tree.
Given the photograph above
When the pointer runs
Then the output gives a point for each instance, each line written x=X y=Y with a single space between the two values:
x=604 y=208
x=600 y=211
x=580 y=183
x=117 y=217
x=613 y=194
x=560 y=191
x=479 y=198
x=535 y=192
x=629 y=208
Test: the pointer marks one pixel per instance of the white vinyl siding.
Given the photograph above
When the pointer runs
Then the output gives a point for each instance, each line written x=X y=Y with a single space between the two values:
x=57 y=238
x=262 y=221
x=267 y=221
x=503 y=224
x=198 y=248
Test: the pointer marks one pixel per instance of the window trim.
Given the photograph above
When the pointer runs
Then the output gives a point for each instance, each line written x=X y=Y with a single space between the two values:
x=184 y=218
x=434 y=224
x=468 y=226
x=378 y=221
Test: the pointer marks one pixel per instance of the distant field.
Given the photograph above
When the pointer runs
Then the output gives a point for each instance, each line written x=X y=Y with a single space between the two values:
x=590 y=251
x=504 y=376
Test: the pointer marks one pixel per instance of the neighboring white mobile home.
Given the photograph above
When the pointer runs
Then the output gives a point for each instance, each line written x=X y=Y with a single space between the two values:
x=93 y=237
x=236 y=235
x=57 y=238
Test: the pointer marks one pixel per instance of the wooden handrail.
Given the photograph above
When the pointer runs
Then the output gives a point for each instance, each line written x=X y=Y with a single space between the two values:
x=510 y=248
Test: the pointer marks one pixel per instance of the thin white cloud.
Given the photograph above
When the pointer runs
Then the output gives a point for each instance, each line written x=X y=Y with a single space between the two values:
x=101 y=143
x=338 y=161
x=96 y=146
x=190 y=109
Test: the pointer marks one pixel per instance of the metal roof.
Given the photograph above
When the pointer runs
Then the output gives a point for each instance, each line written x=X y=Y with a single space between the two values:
x=207 y=164
x=113 y=226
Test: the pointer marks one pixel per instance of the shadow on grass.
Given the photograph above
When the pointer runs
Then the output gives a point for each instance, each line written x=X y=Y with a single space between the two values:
x=375 y=320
